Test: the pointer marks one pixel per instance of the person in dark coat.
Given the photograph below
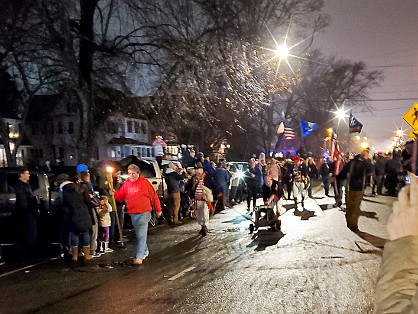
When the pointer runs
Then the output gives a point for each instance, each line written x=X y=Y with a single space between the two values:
x=252 y=178
x=379 y=173
x=324 y=172
x=26 y=210
x=394 y=169
x=92 y=202
x=355 y=171
x=76 y=198
x=173 y=177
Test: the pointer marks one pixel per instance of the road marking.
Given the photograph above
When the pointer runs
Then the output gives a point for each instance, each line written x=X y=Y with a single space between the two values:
x=27 y=267
x=181 y=273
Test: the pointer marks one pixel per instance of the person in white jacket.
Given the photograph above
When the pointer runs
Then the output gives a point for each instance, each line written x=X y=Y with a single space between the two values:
x=397 y=282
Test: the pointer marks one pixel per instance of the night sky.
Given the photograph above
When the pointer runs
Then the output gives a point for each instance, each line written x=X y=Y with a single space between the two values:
x=383 y=34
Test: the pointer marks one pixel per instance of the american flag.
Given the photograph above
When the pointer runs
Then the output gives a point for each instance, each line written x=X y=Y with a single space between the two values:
x=335 y=148
x=289 y=134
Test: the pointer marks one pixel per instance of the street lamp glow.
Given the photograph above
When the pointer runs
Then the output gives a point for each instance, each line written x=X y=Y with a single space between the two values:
x=399 y=133
x=364 y=145
x=340 y=114
x=282 y=52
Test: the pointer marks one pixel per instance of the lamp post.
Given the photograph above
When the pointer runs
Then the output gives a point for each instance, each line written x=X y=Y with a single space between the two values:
x=109 y=178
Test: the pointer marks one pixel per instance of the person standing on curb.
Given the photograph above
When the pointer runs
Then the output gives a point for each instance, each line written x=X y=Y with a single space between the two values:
x=140 y=197
x=26 y=211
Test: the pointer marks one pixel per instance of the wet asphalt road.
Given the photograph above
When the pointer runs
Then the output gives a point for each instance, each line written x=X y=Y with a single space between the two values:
x=313 y=265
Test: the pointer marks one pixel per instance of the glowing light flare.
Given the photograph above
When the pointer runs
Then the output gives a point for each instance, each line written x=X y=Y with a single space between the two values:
x=109 y=169
x=341 y=114
x=282 y=51
x=364 y=145
x=399 y=133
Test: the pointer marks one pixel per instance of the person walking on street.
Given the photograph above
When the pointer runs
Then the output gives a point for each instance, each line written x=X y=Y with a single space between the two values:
x=300 y=181
x=253 y=178
x=173 y=177
x=324 y=173
x=312 y=174
x=196 y=186
x=223 y=178
x=335 y=168
x=355 y=171
x=26 y=211
x=379 y=174
x=140 y=197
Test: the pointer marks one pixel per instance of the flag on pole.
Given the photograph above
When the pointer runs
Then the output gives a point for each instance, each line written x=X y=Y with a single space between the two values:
x=335 y=148
x=307 y=127
x=280 y=128
x=289 y=134
x=354 y=125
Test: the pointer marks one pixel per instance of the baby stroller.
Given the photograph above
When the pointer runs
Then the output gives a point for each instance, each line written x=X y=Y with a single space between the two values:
x=266 y=216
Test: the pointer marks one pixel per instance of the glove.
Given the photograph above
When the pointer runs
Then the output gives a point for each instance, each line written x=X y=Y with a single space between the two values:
x=404 y=219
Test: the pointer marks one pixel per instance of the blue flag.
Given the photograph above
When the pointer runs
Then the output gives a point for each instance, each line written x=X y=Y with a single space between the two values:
x=307 y=127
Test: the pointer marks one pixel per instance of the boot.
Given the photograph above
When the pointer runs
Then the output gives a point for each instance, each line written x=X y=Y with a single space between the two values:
x=106 y=248
x=86 y=250
x=74 y=252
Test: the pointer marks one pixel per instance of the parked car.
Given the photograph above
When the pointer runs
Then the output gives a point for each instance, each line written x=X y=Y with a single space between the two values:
x=40 y=184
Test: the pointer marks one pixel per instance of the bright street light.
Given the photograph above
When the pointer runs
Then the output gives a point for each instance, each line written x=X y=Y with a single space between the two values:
x=364 y=145
x=282 y=52
x=340 y=114
x=399 y=133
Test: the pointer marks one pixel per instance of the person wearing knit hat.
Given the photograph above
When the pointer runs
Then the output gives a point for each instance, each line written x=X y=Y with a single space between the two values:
x=82 y=168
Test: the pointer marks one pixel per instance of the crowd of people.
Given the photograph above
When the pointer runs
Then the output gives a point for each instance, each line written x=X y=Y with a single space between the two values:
x=88 y=222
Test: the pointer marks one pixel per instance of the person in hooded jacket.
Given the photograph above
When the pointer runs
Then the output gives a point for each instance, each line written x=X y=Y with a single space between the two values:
x=76 y=198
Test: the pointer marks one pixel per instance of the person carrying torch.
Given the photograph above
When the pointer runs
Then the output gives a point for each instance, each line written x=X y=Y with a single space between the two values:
x=140 y=197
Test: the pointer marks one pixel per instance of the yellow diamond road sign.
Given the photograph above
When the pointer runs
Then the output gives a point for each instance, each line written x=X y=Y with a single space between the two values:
x=411 y=116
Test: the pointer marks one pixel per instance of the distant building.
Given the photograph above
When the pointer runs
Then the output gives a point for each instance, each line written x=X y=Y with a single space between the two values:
x=14 y=132
x=53 y=125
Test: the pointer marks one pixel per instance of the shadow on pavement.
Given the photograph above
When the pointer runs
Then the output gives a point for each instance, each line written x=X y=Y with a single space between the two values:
x=371 y=215
x=265 y=238
x=305 y=214
x=372 y=239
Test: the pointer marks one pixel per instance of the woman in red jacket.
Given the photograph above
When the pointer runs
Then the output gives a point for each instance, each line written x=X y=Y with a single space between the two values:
x=140 y=197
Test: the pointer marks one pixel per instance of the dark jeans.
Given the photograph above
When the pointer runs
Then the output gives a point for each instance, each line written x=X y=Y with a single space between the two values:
x=252 y=195
x=325 y=181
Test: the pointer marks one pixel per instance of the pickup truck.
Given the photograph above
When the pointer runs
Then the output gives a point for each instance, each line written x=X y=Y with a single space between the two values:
x=151 y=171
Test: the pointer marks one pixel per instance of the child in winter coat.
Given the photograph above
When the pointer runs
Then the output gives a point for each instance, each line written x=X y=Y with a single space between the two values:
x=104 y=224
